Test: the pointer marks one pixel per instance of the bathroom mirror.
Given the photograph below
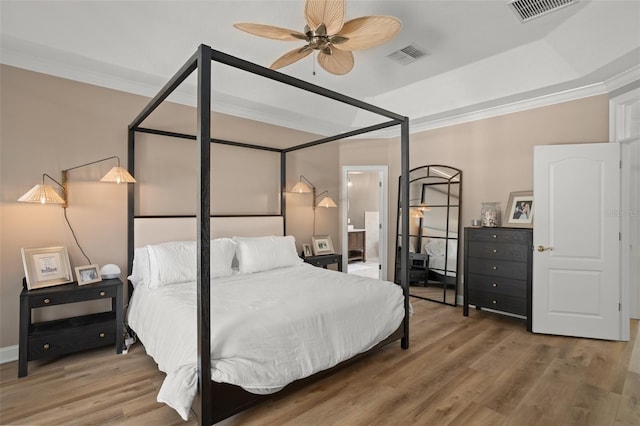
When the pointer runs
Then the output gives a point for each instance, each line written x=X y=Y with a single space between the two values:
x=435 y=192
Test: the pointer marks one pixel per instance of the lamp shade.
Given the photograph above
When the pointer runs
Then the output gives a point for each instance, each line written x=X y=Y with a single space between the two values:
x=327 y=202
x=43 y=194
x=118 y=175
x=301 y=188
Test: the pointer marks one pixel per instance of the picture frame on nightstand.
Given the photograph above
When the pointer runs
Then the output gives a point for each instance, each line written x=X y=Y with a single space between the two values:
x=322 y=244
x=88 y=274
x=46 y=266
x=306 y=250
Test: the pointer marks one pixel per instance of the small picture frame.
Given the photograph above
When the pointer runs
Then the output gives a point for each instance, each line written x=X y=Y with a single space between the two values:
x=306 y=250
x=46 y=266
x=519 y=211
x=322 y=244
x=87 y=274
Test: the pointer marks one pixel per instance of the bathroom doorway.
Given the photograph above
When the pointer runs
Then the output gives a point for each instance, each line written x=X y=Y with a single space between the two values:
x=364 y=220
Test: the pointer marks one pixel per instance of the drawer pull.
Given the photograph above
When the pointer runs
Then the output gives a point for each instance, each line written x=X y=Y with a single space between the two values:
x=101 y=335
x=47 y=301
x=494 y=285
x=102 y=293
x=495 y=267
x=495 y=236
x=494 y=302
x=495 y=251
x=45 y=346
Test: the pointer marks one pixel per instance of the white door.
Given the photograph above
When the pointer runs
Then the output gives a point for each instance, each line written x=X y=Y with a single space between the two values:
x=576 y=261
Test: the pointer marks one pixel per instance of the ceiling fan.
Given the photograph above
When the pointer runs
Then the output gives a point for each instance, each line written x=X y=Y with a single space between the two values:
x=327 y=32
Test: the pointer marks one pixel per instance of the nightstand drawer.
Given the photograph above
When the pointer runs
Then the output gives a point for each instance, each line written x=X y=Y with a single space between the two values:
x=500 y=235
x=498 y=285
x=326 y=260
x=498 y=268
x=499 y=302
x=491 y=250
x=65 y=336
x=89 y=293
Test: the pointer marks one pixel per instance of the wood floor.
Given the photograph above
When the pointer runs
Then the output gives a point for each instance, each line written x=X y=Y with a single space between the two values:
x=482 y=370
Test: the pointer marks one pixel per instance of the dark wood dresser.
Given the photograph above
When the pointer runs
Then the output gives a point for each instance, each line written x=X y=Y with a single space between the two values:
x=497 y=270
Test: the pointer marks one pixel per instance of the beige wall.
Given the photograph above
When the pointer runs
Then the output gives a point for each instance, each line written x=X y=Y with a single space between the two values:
x=494 y=154
x=49 y=124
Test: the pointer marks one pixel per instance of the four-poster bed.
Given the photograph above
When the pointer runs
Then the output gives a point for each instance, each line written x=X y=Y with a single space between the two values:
x=216 y=401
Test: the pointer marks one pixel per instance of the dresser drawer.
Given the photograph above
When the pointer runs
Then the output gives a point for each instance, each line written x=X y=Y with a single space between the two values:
x=491 y=250
x=499 y=302
x=90 y=293
x=498 y=285
x=497 y=268
x=500 y=235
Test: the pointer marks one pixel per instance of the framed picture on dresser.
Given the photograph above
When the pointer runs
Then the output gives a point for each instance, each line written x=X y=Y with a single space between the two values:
x=519 y=211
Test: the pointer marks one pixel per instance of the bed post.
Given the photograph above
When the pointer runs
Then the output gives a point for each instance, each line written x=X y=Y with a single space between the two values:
x=204 y=234
x=283 y=190
x=404 y=197
x=130 y=206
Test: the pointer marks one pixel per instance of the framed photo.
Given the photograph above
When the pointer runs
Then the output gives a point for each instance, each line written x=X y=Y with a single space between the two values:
x=87 y=274
x=322 y=244
x=520 y=209
x=306 y=250
x=46 y=267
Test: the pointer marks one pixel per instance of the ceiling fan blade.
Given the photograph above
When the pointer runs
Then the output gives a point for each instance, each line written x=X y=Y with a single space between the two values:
x=368 y=31
x=328 y=12
x=339 y=62
x=269 y=31
x=290 y=57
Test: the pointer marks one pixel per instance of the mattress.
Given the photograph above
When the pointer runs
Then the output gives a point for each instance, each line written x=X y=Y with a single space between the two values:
x=269 y=328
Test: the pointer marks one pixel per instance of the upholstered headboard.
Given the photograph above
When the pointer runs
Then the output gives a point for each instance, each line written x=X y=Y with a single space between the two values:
x=154 y=230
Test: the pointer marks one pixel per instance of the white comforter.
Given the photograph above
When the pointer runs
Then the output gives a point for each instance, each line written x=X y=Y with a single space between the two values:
x=268 y=328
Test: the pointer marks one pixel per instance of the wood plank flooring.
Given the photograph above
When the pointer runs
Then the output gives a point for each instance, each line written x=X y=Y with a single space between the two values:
x=482 y=370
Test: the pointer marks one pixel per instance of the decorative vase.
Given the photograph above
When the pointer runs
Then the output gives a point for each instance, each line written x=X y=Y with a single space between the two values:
x=490 y=215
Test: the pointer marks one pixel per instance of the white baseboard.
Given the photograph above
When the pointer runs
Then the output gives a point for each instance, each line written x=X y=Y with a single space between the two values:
x=8 y=354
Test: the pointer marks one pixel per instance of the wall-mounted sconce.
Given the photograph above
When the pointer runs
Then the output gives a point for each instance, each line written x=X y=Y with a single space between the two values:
x=45 y=194
x=305 y=188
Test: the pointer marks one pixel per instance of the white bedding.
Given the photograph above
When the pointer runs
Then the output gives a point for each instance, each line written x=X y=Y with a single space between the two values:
x=264 y=334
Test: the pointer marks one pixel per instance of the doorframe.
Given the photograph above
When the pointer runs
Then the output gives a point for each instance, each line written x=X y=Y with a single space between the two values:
x=383 y=202
x=623 y=130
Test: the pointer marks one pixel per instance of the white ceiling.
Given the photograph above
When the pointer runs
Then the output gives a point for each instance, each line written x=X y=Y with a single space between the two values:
x=481 y=57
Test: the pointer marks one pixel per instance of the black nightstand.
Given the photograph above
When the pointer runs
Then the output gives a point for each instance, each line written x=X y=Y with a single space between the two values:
x=324 y=260
x=53 y=338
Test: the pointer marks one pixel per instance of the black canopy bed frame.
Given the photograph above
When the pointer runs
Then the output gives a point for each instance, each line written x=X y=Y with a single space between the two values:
x=216 y=401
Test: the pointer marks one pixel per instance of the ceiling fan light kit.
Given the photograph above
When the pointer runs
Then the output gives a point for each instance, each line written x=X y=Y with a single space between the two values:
x=327 y=33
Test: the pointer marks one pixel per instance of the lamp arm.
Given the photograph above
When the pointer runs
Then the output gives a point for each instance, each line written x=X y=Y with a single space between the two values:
x=309 y=182
x=321 y=194
x=57 y=183
x=94 y=162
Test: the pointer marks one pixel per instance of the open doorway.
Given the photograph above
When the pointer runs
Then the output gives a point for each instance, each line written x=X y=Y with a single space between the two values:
x=364 y=220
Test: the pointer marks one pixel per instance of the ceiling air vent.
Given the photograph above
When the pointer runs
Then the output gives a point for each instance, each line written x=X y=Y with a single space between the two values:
x=530 y=9
x=408 y=54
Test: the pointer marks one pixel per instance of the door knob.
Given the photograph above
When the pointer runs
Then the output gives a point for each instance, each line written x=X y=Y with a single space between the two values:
x=543 y=248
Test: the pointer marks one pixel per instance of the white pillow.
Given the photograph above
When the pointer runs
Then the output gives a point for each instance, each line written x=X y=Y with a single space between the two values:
x=176 y=262
x=140 y=268
x=257 y=254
